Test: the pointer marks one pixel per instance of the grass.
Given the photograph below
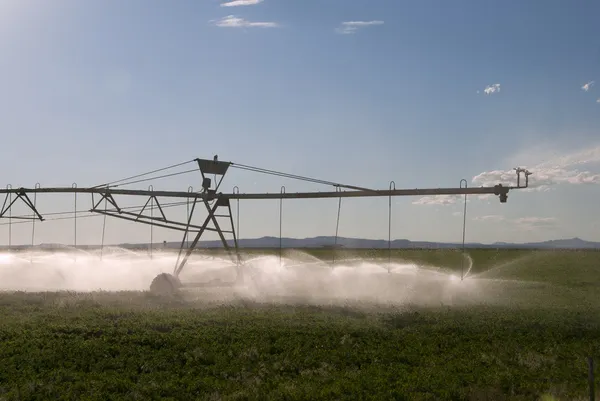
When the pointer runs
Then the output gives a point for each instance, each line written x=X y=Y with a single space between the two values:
x=99 y=346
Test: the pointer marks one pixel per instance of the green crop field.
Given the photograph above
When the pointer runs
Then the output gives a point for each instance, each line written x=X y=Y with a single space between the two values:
x=522 y=330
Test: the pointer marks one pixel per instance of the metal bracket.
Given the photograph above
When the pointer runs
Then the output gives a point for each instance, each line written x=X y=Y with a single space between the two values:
x=21 y=194
x=214 y=167
x=109 y=198
x=527 y=173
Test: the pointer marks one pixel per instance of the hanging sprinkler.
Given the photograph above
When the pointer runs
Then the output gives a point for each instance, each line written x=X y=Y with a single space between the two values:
x=462 y=265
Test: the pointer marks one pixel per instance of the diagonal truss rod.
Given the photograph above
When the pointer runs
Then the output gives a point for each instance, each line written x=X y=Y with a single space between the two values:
x=211 y=217
x=140 y=217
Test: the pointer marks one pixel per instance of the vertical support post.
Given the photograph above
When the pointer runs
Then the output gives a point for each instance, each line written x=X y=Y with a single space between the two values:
x=187 y=234
x=37 y=186
x=74 y=185
x=392 y=187
x=103 y=226
x=591 y=381
x=151 y=189
x=236 y=191
x=9 y=218
x=464 y=228
x=282 y=191
x=211 y=211
x=235 y=242
x=337 y=224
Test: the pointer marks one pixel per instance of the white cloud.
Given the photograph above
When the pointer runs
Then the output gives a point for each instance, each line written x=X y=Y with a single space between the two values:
x=572 y=169
x=448 y=199
x=350 y=27
x=485 y=197
x=237 y=3
x=491 y=217
x=561 y=170
x=522 y=223
x=438 y=200
x=232 y=21
x=534 y=223
x=598 y=100
x=490 y=89
x=587 y=86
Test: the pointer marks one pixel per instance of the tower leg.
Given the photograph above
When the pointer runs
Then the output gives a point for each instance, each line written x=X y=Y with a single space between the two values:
x=179 y=266
x=235 y=258
x=168 y=283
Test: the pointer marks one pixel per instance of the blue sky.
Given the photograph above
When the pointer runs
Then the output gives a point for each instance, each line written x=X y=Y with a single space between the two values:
x=360 y=92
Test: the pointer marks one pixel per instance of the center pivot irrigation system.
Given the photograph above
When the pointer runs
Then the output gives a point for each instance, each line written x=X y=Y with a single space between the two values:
x=214 y=201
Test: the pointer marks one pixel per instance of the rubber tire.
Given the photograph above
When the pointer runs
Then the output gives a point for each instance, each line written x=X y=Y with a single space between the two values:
x=165 y=284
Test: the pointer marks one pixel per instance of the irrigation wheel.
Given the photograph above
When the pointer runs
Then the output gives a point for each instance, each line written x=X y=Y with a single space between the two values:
x=165 y=284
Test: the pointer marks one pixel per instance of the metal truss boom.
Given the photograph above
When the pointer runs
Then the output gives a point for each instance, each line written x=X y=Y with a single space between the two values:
x=208 y=195
x=495 y=190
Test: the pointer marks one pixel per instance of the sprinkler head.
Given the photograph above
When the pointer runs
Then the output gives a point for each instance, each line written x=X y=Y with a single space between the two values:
x=206 y=183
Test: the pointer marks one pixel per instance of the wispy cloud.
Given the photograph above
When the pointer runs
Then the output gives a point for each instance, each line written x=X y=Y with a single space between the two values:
x=439 y=200
x=576 y=168
x=237 y=3
x=561 y=170
x=523 y=223
x=232 y=21
x=491 y=89
x=587 y=86
x=534 y=223
x=491 y=217
x=350 y=27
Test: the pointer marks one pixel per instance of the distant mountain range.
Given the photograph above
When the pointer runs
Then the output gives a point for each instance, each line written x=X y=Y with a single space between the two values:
x=324 y=241
x=357 y=243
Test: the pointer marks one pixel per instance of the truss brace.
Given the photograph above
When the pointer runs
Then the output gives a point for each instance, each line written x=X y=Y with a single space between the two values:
x=22 y=195
x=140 y=217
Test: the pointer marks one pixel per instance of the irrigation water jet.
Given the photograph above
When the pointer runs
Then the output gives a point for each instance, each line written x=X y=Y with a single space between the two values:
x=267 y=280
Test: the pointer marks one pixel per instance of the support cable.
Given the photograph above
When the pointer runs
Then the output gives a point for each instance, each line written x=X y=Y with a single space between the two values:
x=297 y=177
x=154 y=178
x=144 y=174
